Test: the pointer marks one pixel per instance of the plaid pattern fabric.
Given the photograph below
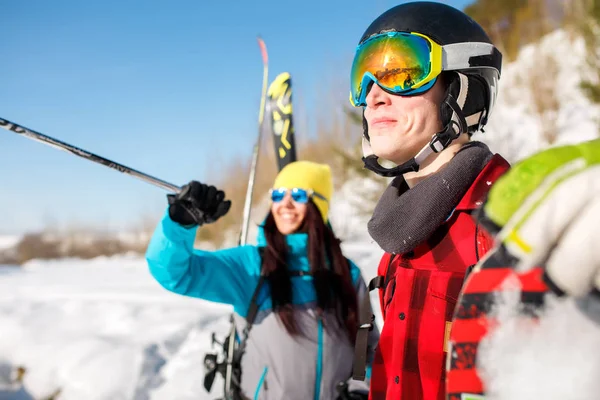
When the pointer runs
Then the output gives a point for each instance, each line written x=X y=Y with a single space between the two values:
x=418 y=301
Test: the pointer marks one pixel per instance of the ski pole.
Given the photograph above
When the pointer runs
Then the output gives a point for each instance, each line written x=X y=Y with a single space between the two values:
x=31 y=134
x=248 y=203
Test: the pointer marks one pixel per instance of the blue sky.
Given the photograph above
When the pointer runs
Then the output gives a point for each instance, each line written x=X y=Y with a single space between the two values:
x=169 y=88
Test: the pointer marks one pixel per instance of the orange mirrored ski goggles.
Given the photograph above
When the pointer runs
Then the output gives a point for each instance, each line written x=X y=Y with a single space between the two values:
x=407 y=63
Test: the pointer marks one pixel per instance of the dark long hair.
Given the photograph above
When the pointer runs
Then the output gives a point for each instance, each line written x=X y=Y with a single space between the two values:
x=329 y=268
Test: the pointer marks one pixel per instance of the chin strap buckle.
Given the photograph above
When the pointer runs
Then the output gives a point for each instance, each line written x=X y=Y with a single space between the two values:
x=442 y=139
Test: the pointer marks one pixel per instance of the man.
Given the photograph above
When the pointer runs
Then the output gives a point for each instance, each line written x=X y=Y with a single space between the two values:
x=426 y=75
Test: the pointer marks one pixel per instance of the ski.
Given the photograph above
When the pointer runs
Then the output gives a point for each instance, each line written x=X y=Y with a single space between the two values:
x=248 y=202
x=226 y=367
x=279 y=109
x=230 y=344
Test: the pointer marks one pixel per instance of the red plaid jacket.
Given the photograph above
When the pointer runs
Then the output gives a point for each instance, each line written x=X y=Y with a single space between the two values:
x=418 y=300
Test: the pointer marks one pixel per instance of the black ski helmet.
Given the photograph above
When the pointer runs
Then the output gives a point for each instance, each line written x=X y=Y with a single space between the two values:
x=472 y=89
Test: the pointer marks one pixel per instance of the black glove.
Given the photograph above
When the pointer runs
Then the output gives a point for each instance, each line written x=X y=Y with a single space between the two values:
x=197 y=204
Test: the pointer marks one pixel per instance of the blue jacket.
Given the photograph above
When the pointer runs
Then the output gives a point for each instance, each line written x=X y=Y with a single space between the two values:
x=275 y=365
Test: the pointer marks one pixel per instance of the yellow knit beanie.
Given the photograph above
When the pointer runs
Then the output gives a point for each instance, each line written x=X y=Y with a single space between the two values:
x=308 y=175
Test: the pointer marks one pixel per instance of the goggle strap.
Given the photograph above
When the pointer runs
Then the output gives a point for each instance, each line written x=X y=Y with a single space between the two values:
x=458 y=56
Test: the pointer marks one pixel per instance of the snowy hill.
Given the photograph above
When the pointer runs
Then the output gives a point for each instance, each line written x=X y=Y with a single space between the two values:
x=8 y=241
x=109 y=331
x=539 y=96
x=100 y=332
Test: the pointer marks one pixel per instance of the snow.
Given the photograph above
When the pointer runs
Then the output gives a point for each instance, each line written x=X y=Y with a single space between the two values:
x=104 y=329
x=8 y=241
x=101 y=329
x=552 y=67
x=557 y=358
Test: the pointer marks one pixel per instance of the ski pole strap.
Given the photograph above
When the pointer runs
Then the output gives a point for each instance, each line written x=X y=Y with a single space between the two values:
x=250 y=316
x=253 y=309
x=366 y=319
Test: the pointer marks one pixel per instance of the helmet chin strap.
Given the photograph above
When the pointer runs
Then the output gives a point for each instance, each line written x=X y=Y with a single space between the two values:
x=457 y=124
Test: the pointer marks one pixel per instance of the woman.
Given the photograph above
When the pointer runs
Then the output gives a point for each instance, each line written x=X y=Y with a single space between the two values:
x=301 y=342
